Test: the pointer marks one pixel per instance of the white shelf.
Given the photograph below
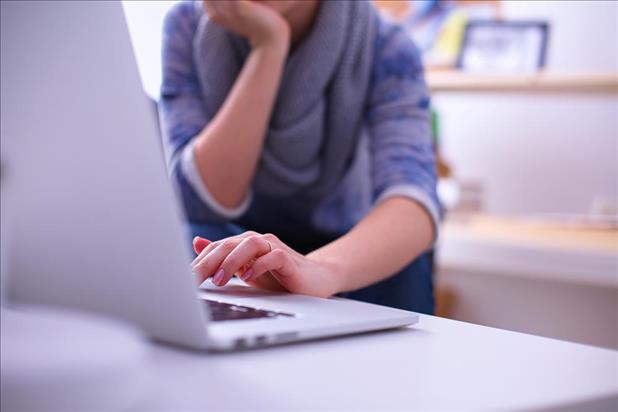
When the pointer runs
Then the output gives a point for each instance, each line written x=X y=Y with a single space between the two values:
x=454 y=81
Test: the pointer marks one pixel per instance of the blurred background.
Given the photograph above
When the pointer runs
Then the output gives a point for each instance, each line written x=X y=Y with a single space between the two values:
x=525 y=101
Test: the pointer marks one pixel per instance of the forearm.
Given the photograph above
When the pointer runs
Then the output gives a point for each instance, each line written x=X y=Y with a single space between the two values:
x=392 y=235
x=227 y=150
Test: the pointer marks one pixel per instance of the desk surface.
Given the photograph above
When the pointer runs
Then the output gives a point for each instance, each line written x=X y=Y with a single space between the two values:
x=436 y=364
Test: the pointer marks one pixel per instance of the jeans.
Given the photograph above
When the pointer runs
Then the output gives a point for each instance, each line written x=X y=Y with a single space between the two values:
x=410 y=289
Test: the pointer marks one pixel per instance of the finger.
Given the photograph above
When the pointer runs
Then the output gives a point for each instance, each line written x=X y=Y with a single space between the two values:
x=211 y=262
x=249 y=248
x=244 y=268
x=266 y=282
x=199 y=244
x=270 y=262
x=213 y=245
x=206 y=251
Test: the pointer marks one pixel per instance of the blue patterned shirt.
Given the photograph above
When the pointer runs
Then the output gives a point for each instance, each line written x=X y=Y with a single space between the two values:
x=394 y=156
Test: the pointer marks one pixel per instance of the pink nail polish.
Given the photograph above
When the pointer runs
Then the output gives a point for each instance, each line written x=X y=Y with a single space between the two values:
x=218 y=277
x=247 y=274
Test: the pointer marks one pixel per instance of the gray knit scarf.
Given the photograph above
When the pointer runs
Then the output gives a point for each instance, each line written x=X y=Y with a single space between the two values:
x=320 y=105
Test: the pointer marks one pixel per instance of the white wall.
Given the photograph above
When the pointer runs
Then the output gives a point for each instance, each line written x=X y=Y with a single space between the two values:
x=543 y=153
x=534 y=153
x=584 y=34
x=145 y=21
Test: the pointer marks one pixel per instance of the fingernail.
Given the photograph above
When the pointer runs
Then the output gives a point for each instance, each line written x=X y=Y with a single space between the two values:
x=218 y=277
x=247 y=274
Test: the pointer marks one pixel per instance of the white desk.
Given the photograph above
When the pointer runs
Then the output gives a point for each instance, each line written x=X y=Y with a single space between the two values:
x=437 y=364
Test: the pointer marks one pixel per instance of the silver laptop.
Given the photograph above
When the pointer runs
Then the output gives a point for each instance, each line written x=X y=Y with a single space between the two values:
x=92 y=219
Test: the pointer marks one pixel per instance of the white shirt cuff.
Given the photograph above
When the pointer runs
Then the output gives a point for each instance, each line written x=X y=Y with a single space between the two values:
x=418 y=195
x=189 y=169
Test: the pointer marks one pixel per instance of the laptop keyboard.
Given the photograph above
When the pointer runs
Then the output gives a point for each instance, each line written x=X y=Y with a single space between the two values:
x=220 y=311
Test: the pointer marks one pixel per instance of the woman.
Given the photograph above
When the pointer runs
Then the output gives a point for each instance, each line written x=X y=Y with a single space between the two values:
x=298 y=139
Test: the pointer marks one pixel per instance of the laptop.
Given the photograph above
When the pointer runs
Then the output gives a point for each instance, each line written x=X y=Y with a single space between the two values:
x=93 y=221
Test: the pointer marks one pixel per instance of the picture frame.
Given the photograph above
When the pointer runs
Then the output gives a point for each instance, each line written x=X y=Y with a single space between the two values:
x=491 y=46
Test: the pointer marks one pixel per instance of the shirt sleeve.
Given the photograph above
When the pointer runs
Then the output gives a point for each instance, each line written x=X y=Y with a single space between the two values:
x=402 y=153
x=183 y=116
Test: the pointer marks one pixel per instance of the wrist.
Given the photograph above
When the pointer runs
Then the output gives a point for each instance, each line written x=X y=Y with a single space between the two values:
x=272 y=55
x=334 y=272
x=273 y=50
x=278 y=38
